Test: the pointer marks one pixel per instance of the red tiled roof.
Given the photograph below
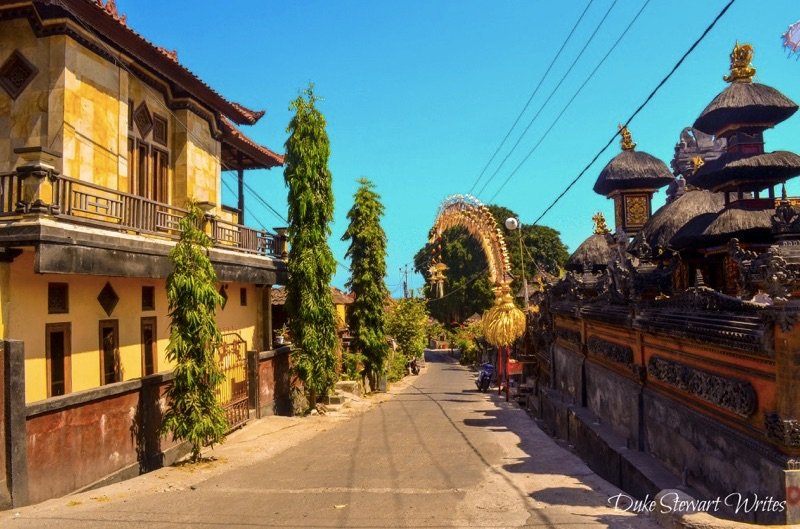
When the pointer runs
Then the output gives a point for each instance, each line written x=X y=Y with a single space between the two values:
x=259 y=157
x=104 y=20
x=339 y=297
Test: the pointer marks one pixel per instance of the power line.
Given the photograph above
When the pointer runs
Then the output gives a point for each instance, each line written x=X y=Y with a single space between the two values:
x=474 y=278
x=549 y=97
x=572 y=99
x=535 y=91
x=636 y=112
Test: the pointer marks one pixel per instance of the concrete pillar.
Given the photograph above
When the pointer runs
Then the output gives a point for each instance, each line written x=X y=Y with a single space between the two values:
x=16 y=439
x=253 y=382
x=266 y=310
x=793 y=492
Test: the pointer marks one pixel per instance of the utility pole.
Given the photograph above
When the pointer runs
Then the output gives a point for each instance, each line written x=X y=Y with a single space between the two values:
x=405 y=281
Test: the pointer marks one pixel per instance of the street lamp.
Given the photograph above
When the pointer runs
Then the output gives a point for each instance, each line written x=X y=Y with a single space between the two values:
x=511 y=225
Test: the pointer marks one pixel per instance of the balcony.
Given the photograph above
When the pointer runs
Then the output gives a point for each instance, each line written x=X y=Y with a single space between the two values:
x=37 y=189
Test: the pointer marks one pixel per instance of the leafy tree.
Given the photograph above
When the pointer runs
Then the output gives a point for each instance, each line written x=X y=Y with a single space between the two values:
x=467 y=288
x=407 y=324
x=309 y=305
x=194 y=414
x=367 y=254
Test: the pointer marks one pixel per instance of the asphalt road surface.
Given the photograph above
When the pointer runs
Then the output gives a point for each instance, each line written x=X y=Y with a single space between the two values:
x=438 y=454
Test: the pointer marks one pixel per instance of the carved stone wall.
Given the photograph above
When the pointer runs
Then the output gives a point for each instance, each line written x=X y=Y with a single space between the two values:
x=615 y=352
x=735 y=395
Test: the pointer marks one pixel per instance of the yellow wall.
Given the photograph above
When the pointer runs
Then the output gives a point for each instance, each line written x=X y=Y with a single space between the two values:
x=197 y=167
x=94 y=95
x=28 y=316
x=34 y=118
x=77 y=104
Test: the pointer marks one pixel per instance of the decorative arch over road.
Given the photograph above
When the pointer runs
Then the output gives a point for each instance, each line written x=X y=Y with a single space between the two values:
x=504 y=322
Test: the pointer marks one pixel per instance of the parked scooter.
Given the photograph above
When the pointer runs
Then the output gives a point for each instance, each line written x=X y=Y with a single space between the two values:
x=484 y=377
x=412 y=366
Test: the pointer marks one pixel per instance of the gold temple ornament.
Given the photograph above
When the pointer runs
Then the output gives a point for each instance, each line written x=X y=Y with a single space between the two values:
x=741 y=69
x=600 y=226
x=626 y=142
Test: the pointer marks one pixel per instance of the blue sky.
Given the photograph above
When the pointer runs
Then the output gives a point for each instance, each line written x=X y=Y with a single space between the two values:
x=418 y=94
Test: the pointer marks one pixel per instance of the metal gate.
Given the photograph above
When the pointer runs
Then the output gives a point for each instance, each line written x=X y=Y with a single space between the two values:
x=232 y=392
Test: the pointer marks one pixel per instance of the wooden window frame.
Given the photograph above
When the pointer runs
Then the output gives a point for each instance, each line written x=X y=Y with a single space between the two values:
x=113 y=324
x=148 y=170
x=65 y=309
x=66 y=328
x=150 y=306
x=149 y=321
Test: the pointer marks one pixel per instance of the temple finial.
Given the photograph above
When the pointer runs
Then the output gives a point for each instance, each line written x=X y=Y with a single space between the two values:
x=600 y=227
x=741 y=69
x=626 y=142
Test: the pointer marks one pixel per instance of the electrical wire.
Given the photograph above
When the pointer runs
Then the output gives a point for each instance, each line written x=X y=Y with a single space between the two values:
x=474 y=278
x=535 y=91
x=571 y=100
x=639 y=109
x=549 y=97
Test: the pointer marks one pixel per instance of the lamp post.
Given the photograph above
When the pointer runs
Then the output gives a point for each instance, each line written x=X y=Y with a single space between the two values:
x=511 y=225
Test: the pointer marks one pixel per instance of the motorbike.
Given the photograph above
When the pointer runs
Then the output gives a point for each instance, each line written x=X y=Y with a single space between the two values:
x=413 y=367
x=484 y=377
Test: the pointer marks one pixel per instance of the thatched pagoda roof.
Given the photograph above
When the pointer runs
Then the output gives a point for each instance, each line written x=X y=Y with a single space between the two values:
x=671 y=218
x=594 y=253
x=632 y=170
x=751 y=173
x=745 y=104
x=709 y=229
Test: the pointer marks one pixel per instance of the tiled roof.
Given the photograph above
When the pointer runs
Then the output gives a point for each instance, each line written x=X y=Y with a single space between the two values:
x=105 y=21
x=259 y=156
x=339 y=297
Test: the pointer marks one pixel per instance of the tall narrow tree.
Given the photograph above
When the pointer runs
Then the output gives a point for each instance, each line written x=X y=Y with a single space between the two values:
x=194 y=414
x=309 y=305
x=367 y=254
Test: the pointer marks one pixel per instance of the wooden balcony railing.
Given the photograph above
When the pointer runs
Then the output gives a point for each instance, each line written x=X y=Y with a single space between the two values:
x=99 y=206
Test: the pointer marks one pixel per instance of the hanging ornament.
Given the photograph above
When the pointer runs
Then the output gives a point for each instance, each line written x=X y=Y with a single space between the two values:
x=791 y=39
x=504 y=322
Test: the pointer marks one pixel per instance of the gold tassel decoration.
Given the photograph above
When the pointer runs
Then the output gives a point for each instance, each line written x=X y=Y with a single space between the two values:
x=504 y=322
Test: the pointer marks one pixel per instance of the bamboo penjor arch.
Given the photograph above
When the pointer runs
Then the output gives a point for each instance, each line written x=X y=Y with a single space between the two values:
x=504 y=322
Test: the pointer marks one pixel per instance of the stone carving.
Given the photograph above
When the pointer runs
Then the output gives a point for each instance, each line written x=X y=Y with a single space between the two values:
x=613 y=351
x=692 y=144
x=784 y=431
x=707 y=299
x=568 y=335
x=768 y=272
x=734 y=395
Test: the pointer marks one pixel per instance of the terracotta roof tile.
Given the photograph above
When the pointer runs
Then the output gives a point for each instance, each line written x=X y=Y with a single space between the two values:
x=160 y=59
x=235 y=137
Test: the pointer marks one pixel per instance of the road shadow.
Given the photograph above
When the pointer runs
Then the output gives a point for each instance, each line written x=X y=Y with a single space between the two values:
x=540 y=455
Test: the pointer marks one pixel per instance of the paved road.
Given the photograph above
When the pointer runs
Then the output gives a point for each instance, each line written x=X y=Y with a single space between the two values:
x=438 y=454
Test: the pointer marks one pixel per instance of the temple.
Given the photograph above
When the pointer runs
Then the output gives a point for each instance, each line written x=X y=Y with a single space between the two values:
x=680 y=344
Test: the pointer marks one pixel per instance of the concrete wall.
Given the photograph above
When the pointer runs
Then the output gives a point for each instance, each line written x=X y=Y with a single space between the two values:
x=97 y=436
x=568 y=371
x=28 y=314
x=714 y=459
x=614 y=399
x=274 y=383
x=79 y=439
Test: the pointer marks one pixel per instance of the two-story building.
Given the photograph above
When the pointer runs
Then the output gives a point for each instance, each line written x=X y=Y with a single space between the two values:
x=104 y=136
